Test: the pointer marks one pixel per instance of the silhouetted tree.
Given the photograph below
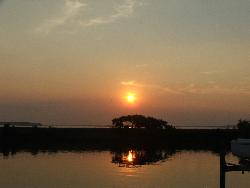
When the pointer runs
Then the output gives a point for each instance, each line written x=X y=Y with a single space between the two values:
x=140 y=121
x=243 y=124
x=244 y=127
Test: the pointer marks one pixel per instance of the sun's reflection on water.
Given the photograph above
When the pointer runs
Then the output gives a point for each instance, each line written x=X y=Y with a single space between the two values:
x=137 y=158
x=130 y=157
x=134 y=163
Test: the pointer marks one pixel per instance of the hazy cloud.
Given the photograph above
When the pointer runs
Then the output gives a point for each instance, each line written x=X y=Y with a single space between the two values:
x=120 y=11
x=70 y=10
x=211 y=72
x=213 y=88
x=129 y=83
x=210 y=88
x=152 y=86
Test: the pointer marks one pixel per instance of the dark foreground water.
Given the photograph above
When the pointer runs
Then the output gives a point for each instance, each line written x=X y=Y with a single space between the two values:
x=119 y=169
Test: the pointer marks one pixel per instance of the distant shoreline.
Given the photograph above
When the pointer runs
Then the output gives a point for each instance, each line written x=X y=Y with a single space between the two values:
x=110 y=126
x=54 y=134
x=14 y=139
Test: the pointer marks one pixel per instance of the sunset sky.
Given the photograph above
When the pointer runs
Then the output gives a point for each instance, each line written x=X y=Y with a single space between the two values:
x=76 y=61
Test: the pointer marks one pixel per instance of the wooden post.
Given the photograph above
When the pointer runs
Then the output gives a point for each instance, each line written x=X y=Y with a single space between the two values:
x=222 y=169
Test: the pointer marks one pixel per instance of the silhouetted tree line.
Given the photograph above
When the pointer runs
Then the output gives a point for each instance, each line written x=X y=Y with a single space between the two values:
x=244 y=127
x=243 y=124
x=140 y=121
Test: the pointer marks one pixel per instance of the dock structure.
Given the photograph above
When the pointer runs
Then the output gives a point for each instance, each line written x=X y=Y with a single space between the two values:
x=243 y=166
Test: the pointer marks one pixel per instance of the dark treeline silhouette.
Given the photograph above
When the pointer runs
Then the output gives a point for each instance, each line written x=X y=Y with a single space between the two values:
x=244 y=128
x=140 y=121
x=35 y=139
x=116 y=148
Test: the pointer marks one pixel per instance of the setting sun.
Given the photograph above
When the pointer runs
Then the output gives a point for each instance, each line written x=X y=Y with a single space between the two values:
x=131 y=98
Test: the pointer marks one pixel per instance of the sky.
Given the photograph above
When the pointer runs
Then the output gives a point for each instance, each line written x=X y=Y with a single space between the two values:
x=74 y=61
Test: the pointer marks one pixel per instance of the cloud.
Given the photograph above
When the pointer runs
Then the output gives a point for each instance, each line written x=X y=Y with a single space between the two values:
x=167 y=89
x=210 y=88
x=70 y=10
x=211 y=72
x=213 y=88
x=120 y=11
x=129 y=83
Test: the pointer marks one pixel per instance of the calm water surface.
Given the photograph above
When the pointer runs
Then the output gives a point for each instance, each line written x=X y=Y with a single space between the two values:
x=129 y=169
